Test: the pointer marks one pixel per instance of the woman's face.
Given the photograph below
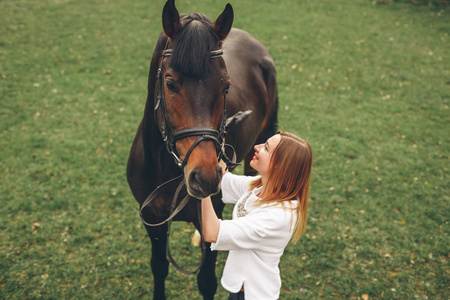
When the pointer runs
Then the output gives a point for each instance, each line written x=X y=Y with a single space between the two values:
x=263 y=152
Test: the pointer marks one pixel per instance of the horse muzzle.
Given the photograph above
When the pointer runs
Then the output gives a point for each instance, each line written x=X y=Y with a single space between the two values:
x=202 y=183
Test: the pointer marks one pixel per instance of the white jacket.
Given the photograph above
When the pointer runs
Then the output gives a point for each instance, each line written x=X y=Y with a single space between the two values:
x=256 y=241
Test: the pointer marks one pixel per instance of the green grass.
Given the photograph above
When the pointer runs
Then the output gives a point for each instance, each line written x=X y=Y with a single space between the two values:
x=366 y=84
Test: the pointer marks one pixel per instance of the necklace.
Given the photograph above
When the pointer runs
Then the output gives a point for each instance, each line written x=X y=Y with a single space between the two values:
x=241 y=212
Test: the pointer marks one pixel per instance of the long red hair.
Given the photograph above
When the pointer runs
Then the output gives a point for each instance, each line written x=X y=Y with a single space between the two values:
x=289 y=178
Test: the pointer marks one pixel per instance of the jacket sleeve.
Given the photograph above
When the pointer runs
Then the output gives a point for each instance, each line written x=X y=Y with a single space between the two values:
x=257 y=230
x=234 y=186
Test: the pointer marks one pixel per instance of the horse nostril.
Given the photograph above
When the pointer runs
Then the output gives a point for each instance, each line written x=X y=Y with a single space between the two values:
x=194 y=178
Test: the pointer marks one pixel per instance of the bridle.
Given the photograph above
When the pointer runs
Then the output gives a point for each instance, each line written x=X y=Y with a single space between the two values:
x=216 y=135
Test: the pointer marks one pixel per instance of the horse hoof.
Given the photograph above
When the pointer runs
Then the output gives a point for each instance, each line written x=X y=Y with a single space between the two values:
x=196 y=239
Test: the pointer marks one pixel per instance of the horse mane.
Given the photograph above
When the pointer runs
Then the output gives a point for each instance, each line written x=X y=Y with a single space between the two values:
x=193 y=44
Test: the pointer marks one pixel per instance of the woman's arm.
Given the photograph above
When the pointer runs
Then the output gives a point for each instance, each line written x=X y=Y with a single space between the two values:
x=211 y=223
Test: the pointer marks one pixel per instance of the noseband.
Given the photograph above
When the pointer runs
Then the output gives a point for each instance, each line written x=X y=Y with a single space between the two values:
x=216 y=135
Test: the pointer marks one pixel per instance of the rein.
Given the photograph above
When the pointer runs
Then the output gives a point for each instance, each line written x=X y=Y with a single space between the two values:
x=174 y=210
x=170 y=138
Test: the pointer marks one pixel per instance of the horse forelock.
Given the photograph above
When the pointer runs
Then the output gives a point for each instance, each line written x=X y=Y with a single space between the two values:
x=193 y=45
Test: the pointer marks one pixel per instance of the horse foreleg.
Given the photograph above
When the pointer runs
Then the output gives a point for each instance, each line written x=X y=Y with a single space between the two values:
x=159 y=262
x=206 y=278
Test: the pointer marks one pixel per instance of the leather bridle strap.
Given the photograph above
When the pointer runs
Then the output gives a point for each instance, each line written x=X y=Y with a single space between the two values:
x=153 y=195
x=174 y=210
x=204 y=133
x=169 y=255
x=195 y=131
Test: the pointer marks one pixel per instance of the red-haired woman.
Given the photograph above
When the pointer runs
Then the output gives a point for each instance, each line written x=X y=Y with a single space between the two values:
x=270 y=211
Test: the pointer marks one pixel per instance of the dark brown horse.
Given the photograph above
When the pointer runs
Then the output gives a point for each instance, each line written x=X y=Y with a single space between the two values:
x=182 y=128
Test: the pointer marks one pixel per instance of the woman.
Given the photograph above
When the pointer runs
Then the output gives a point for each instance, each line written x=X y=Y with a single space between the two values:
x=270 y=210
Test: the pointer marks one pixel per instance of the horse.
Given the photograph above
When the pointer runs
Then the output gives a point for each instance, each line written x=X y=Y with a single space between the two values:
x=200 y=72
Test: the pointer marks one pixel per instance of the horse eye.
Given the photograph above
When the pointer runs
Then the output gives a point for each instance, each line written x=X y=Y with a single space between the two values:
x=172 y=86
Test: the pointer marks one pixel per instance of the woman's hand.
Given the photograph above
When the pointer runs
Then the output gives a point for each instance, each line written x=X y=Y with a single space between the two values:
x=211 y=223
x=223 y=165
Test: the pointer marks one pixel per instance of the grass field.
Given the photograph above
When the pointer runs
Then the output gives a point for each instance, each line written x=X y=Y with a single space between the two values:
x=367 y=83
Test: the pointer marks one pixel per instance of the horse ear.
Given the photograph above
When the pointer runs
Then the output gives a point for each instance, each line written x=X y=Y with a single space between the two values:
x=222 y=25
x=171 y=19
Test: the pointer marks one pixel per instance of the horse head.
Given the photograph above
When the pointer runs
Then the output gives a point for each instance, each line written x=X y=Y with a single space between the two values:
x=192 y=84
